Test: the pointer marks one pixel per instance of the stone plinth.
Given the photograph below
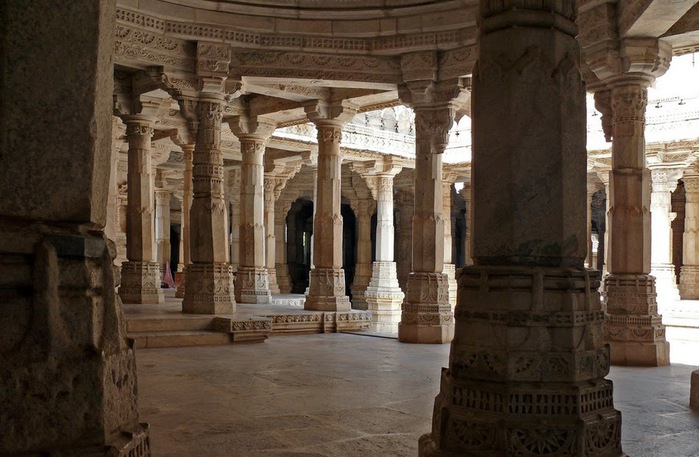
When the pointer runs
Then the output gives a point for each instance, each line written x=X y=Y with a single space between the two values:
x=694 y=391
x=527 y=367
x=327 y=290
x=426 y=313
x=384 y=298
x=634 y=329
x=252 y=285
x=140 y=283
x=209 y=289
x=689 y=282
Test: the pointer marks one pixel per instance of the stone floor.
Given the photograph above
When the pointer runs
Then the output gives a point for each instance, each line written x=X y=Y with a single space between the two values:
x=354 y=395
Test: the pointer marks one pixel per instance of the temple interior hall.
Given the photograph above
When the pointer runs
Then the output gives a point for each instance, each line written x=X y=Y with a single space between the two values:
x=349 y=227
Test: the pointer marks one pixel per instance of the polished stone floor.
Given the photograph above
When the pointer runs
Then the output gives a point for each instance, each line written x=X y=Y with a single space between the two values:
x=352 y=395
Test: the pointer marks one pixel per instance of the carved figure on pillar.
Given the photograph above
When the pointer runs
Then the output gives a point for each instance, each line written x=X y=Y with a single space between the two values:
x=140 y=274
x=528 y=340
x=252 y=278
x=326 y=290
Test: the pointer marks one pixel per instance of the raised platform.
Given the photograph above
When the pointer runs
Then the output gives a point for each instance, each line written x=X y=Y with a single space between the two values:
x=165 y=325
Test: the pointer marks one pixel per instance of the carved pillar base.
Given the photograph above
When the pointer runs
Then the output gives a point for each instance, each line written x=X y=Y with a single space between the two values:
x=140 y=283
x=384 y=298
x=689 y=282
x=527 y=367
x=665 y=283
x=450 y=271
x=283 y=278
x=209 y=289
x=252 y=285
x=326 y=291
x=273 y=284
x=634 y=330
x=362 y=276
x=426 y=313
x=179 y=293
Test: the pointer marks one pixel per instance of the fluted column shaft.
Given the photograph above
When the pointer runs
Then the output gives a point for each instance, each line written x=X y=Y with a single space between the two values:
x=528 y=338
x=209 y=287
x=689 y=272
x=634 y=329
x=141 y=273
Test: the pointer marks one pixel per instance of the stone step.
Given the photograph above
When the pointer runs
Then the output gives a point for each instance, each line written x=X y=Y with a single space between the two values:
x=155 y=324
x=180 y=338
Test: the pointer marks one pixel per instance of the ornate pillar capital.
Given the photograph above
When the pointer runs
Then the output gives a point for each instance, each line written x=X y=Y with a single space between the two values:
x=329 y=117
x=664 y=179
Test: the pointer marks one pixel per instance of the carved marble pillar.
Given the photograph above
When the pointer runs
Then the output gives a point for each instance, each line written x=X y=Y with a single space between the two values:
x=634 y=329
x=209 y=288
x=252 y=278
x=426 y=313
x=592 y=187
x=280 y=236
x=234 y=186
x=468 y=238
x=187 y=195
x=449 y=267
x=326 y=291
x=383 y=295
x=663 y=184
x=604 y=177
x=689 y=272
x=527 y=363
x=162 y=228
x=140 y=274
x=271 y=184
x=404 y=242
x=123 y=211
x=364 y=209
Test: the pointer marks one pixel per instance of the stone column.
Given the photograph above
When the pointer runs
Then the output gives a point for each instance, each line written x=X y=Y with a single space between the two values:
x=252 y=278
x=592 y=187
x=363 y=209
x=468 y=249
x=280 y=237
x=234 y=186
x=426 y=313
x=122 y=205
x=209 y=288
x=449 y=267
x=187 y=195
x=604 y=177
x=404 y=246
x=383 y=295
x=140 y=274
x=689 y=272
x=162 y=228
x=271 y=185
x=663 y=184
x=527 y=364
x=326 y=290
x=67 y=369
x=634 y=329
